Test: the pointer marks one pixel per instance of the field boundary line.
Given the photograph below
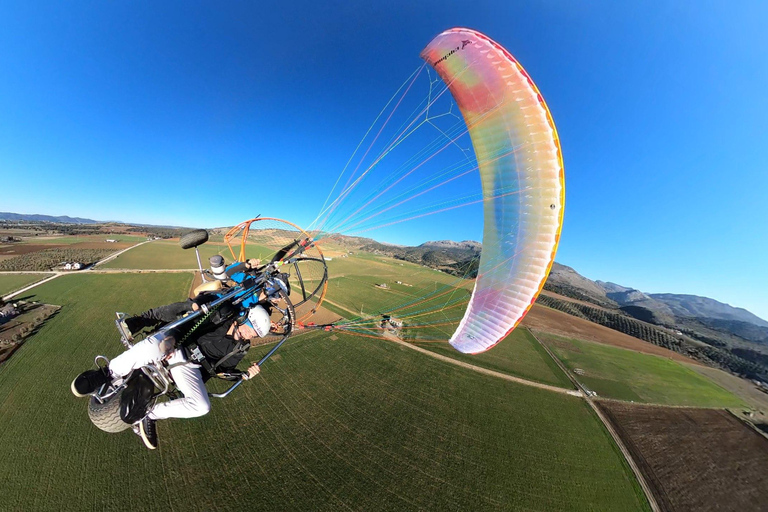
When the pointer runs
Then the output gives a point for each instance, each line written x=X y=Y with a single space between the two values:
x=486 y=371
x=140 y=270
x=18 y=292
x=573 y=392
x=118 y=253
x=627 y=455
x=340 y=307
x=3 y=272
x=86 y=272
x=652 y=404
x=748 y=423
x=609 y=427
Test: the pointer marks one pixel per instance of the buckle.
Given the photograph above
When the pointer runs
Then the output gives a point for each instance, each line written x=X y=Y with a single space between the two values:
x=196 y=355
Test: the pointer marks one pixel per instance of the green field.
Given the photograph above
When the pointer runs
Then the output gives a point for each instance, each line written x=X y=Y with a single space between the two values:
x=333 y=422
x=352 y=286
x=518 y=354
x=165 y=254
x=352 y=292
x=624 y=374
x=360 y=293
x=11 y=282
x=390 y=270
x=76 y=239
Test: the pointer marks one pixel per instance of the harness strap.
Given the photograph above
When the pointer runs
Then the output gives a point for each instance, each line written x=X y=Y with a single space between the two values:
x=195 y=355
x=240 y=348
x=181 y=363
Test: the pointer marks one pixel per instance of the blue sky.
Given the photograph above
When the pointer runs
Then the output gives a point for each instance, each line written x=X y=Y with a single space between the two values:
x=136 y=111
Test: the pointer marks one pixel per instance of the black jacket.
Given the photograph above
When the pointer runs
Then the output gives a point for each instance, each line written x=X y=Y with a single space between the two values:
x=217 y=344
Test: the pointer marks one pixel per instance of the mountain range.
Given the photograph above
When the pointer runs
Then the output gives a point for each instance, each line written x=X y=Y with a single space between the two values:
x=64 y=219
x=452 y=257
x=46 y=218
x=661 y=305
x=732 y=338
x=709 y=317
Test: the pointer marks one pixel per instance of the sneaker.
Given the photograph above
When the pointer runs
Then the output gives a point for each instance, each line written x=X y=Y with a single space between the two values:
x=122 y=326
x=89 y=381
x=148 y=433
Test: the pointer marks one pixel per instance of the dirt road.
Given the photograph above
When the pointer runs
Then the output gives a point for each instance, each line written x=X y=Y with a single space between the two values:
x=118 y=253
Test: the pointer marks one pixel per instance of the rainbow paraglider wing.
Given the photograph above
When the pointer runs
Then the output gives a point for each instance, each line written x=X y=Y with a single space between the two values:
x=521 y=168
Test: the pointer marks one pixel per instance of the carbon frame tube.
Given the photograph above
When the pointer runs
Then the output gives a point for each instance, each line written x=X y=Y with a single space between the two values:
x=263 y=360
x=207 y=307
x=232 y=388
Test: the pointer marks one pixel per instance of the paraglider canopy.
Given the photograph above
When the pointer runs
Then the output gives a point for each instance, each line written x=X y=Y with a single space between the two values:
x=521 y=169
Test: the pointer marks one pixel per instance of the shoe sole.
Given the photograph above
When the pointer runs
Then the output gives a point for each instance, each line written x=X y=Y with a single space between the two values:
x=74 y=390
x=123 y=327
x=144 y=437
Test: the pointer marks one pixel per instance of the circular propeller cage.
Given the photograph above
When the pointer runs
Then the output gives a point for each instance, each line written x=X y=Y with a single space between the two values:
x=295 y=253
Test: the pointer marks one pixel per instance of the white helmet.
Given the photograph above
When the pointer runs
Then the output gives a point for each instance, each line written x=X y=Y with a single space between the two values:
x=258 y=320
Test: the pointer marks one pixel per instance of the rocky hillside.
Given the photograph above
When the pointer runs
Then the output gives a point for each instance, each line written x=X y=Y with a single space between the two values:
x=666 y=307
x=703 y=307
x=718 y=325
x=721 y=326
x=566 y=281
x=458 y=258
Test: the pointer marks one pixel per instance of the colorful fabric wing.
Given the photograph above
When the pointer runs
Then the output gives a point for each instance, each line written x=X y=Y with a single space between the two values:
x=521 y=169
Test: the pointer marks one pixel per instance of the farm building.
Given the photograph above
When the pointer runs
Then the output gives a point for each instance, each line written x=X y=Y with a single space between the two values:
x=390 y=323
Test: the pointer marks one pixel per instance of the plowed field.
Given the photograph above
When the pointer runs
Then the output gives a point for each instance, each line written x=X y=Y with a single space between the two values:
x=695 y=459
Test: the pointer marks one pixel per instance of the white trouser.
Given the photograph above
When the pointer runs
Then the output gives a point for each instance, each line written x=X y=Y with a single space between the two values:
x=186 y=375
